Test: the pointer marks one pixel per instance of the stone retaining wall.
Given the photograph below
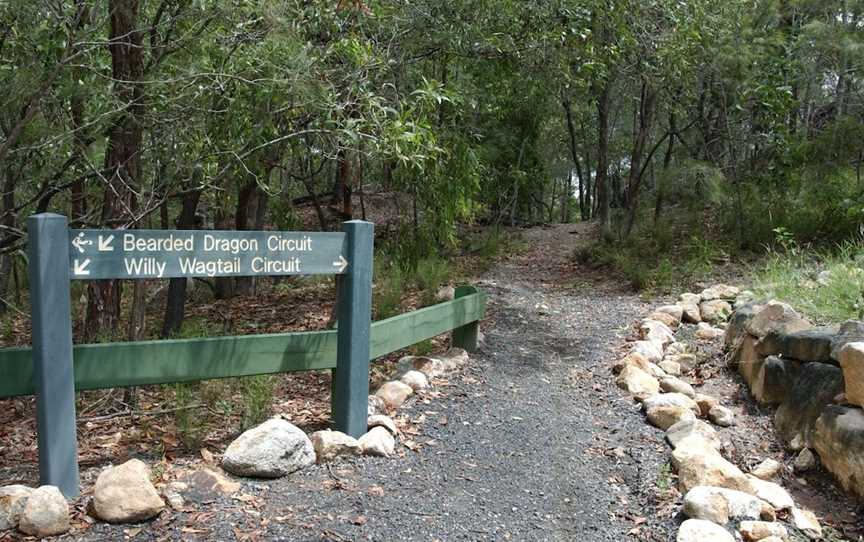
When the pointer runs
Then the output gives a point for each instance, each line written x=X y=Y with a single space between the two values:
x=815 y=377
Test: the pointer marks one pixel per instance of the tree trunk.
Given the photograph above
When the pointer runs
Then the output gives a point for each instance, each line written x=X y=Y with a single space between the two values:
x=122 y=156
x=647 y=104
x=602 y=162
x=667 y=160
x=175 y=306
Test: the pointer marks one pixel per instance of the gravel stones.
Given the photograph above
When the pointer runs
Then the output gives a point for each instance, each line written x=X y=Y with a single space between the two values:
x=46 y=513
x=273 y=449
x=124 y=494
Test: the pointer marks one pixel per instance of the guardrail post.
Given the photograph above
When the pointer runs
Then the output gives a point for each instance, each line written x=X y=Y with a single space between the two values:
x=465 y=336
x=350 y=390
x=48 y=251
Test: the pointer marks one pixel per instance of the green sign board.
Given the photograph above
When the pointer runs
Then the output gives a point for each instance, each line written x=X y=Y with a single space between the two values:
x=157 y=254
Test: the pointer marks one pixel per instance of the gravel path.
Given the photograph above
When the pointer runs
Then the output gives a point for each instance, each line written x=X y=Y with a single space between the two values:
x=531 y=441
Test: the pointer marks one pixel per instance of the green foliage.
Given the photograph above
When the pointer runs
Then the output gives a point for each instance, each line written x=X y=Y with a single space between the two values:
x=431 y=273
x=256 y=396
x=191 y=425
x=825 y=285
x=389 y=287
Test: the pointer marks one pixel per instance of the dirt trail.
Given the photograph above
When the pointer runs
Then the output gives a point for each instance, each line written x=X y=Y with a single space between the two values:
x=530 y=442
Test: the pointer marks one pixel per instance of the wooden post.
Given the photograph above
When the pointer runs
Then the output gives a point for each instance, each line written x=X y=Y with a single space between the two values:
x=350 y=390
x=466 y=336
x=54 y=379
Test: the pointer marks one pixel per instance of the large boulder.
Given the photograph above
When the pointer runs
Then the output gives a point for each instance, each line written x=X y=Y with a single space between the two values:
x=700 y=530
x=804 y=345
x=778 y=317
x=816 y=387
x=715 y=310
x=125 y=494
x=637 y=382
x=665 y=416
x=45 y=514
x=333 y=445
x=775 y=380
x=839 y=441
x=852 y=363
x=719 y=504
x=271 y=450
x=850 y=331
x=702 y=465
x=13 y=498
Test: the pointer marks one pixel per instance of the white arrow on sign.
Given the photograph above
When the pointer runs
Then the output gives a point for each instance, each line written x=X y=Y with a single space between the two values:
x=79 y=242
x=105 y=243
x=80 y=268
x=341 y=263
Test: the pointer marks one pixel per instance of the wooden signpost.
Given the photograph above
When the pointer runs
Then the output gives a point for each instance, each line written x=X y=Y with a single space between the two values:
x=58 y=255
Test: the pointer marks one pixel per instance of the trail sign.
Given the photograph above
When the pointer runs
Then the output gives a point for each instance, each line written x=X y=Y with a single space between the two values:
x=57 y=255
x=143 y=254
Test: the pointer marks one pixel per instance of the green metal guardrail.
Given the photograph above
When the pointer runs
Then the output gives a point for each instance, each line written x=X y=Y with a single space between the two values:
x=113 y=365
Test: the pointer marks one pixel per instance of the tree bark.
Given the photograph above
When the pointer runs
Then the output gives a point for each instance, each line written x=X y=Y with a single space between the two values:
x=647 y=103
x=602 y=162
x=122 y=156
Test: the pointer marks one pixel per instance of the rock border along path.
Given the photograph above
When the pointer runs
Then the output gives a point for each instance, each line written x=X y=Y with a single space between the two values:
x=720 y=500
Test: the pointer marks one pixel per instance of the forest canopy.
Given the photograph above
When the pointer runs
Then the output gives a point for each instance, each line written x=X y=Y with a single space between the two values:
x=745 y=115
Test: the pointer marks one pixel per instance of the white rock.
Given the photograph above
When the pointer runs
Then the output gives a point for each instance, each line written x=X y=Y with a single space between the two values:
x=699 y=530
x=805 y=461
x=12 y=501
x=721 y=416
x=445 y=293
x=776 y=316
x=720 y=291
x=638 y=382
x=378 y=441
x=806 y=522
x=676 y=399
x=674 y=311
x=376 y=405
x=699 y=464
x=656 y=332
x=706 y=403
x=707 y=332
x=771 y=493
x=273 y=449
x=715 y=310
x=675 y=349
x=670 y=384
x=416 y=380
x=719 y=504
x=670 y=367
x=676 y=434
x=394 y=393
x=332 y=445
x=759 y=530
x=382 y=421
x=45 y=514
x=767 y=469
x=665 y=416
x=649 y=350
x=124 y=494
